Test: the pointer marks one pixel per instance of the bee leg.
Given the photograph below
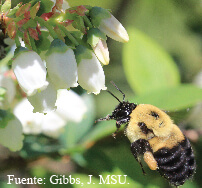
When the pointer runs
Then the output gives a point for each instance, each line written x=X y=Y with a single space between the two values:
x=144 y=173
x=138 y=160
x=107 y=118
x=118 y=125
x=138 y=148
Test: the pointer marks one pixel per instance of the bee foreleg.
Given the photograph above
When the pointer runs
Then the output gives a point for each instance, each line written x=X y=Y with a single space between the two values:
x=118 y=125
x=107 y=118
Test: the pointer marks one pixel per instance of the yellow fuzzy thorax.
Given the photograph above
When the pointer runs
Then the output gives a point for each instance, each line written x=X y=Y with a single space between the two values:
x=164 y=133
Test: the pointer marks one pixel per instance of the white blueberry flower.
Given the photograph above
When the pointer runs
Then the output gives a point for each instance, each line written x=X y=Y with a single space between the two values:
x=91 y=76
x=44 y=101
x=97 y=40
x=30 y=72
x=102 y=52
x=61 y=65
x=37 y=123
x=70 y=106
x=108 y=24
x=11 y=135
x=114 y=29
x=31 y=122
x=52 y=124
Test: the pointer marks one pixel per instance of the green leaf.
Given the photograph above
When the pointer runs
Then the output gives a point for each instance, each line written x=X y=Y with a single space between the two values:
x=6 y=6
x=45 y=6
x=14 y=10
x=23 y=9
x=147 y=66
x=103 y=129
x=43 y=43
x=34 y=10
x=30 y=24
x=175 y=98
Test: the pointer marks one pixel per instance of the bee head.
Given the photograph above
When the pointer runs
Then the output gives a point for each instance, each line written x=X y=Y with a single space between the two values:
x=122 y=111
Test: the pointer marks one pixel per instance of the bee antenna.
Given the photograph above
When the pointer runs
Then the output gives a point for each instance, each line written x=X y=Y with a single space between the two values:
x=113 y=95
x=118 y=90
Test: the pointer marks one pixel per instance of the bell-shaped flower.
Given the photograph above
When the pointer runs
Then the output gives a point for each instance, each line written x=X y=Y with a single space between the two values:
x=108 y=24
x=7 y=83
x=53 y=124
x=11 y=134
x=61 y=65
x=44 y=101
x=30 y=72
x=31 y=122
x=91 y=76
x=70 y=106
x=102 y=52
x=50 y=124
x=97 y=40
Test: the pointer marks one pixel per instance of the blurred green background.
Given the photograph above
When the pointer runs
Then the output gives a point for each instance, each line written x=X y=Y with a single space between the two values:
x=159 y=66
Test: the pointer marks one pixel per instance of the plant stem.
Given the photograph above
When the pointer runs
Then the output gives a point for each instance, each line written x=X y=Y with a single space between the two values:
x=68 y=34
x=87 y=21
x=48 y=26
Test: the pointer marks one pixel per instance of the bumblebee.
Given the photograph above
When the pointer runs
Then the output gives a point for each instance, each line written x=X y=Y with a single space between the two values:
x=155 y=137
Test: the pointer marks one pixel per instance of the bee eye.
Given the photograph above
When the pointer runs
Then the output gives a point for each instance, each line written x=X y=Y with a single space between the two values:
x=154 y=114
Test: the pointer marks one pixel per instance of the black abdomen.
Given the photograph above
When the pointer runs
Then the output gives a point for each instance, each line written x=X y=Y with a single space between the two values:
x=176 y=164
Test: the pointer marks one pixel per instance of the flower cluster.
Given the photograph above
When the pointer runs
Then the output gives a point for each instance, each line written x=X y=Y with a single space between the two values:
x=59 y=58
x=70 y=108
x=51 y=53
